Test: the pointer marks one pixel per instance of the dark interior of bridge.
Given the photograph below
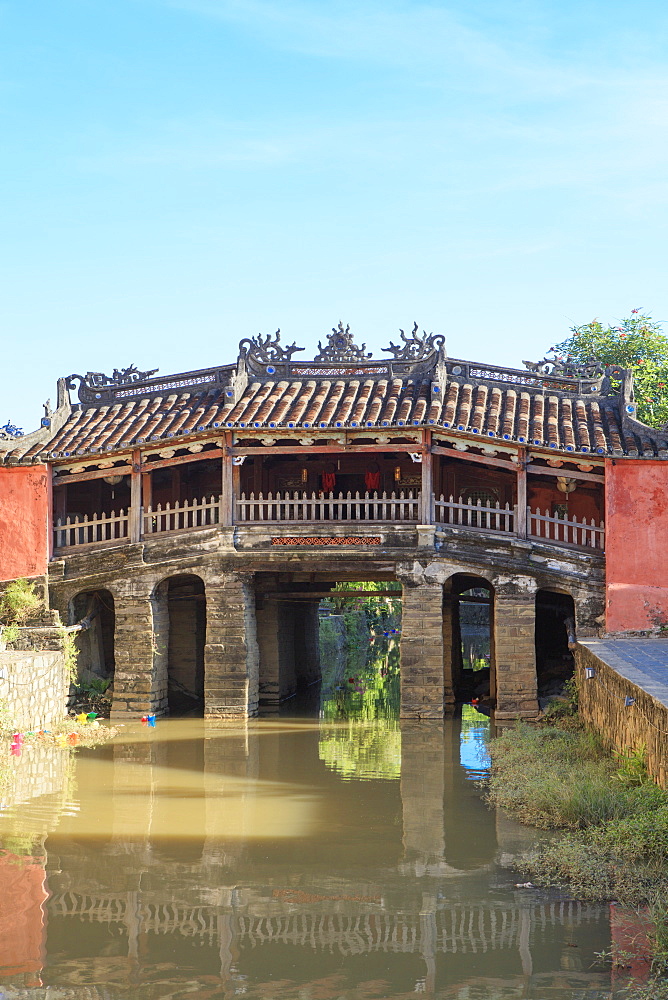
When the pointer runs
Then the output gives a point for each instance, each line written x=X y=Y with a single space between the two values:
x=555 y=621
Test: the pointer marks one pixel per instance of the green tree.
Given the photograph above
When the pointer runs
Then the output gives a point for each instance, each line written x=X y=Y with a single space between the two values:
x=637 y=343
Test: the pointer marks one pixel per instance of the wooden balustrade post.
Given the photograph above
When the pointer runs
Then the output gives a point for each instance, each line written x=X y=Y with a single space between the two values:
x=521 y=509
x=135 y=498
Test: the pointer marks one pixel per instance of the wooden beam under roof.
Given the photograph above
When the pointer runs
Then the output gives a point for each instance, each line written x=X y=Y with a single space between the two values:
x=82 y=477
x=125 y=470
x=509 y=466
x=328 y=449
x=541 y=470
x=499 y=463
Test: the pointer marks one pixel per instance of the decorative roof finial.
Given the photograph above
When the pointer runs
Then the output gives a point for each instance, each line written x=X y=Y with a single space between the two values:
x=341 y=347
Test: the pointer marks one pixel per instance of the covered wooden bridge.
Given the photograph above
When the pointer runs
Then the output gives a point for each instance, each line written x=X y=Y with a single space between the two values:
x=190 y=506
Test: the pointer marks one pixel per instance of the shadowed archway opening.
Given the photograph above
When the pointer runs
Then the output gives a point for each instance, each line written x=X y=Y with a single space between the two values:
x=332 y=639
x=468 y=623
x=186 y=605
x=95 y=644
x=555 y=624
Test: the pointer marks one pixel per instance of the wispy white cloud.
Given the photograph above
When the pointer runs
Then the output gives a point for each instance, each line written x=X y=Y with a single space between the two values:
x=422 y=37
x=514 y=116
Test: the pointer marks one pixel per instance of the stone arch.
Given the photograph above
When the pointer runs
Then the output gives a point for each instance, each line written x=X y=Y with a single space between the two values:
x=468 y=635
x=180 y=610
x=554 y=634
x=95 y=645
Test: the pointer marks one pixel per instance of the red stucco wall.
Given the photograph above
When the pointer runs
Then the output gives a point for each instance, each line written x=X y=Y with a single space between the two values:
x=24 y=511
x=636 y=544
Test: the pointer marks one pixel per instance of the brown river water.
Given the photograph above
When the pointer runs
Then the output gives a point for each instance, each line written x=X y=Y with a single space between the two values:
x=332 y=854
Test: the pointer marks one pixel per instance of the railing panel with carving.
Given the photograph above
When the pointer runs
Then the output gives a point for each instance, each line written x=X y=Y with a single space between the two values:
x=183 y=516
x=566 y=531
x=80 y=529
x=304 y=507
x=474 y=516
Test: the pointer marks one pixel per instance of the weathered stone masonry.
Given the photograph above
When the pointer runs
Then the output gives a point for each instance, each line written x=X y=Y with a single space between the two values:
x=231 y=655
x=515 y=653
x=259 y=647
x=422 y=659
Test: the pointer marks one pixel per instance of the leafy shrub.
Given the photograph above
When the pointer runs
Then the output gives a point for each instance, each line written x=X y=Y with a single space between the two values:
x=18 y=603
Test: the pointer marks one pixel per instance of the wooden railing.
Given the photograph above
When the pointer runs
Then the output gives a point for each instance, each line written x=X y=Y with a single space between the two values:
x=182 y=516
x=566 y=531
x=301 y=507
x=292 y=507
x=80 y=529
x=495 y=519
x=474 y=516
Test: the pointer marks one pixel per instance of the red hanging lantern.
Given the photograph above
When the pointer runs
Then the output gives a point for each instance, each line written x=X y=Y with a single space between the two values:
x=328 y=478
x=372 y=477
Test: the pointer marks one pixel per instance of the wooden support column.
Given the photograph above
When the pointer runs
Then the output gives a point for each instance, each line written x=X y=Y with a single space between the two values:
x=135 y=498
x=146 y=490
x=427 y=505
x=226 y=491
x=236 y=485
x=521 y=514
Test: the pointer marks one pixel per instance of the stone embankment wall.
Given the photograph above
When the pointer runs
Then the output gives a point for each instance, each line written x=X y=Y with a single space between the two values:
x=602 y=707
x=33 y=688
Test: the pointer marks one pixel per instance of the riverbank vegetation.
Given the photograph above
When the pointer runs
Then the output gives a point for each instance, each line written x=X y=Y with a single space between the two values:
x=612 y=818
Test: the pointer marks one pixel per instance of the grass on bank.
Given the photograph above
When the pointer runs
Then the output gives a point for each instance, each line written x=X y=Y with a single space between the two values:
x=613 y=818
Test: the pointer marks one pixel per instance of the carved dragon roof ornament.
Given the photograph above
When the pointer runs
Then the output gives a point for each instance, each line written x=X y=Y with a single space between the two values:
x=568 y=367
x=341 y=347
x=267 y=349
x=416 y=347
x=121 y=376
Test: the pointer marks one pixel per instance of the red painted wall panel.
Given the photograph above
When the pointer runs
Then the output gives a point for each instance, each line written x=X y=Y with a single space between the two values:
x=636 y=544
x=24 y=514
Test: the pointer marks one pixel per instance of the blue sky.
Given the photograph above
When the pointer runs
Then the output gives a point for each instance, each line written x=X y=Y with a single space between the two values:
x=178 y=174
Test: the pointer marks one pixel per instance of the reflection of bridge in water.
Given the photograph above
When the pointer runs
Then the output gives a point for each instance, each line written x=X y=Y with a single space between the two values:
x=407 y=894
x=438 y=927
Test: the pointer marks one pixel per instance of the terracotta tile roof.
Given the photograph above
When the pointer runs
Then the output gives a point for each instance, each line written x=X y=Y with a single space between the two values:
x=505 y=411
